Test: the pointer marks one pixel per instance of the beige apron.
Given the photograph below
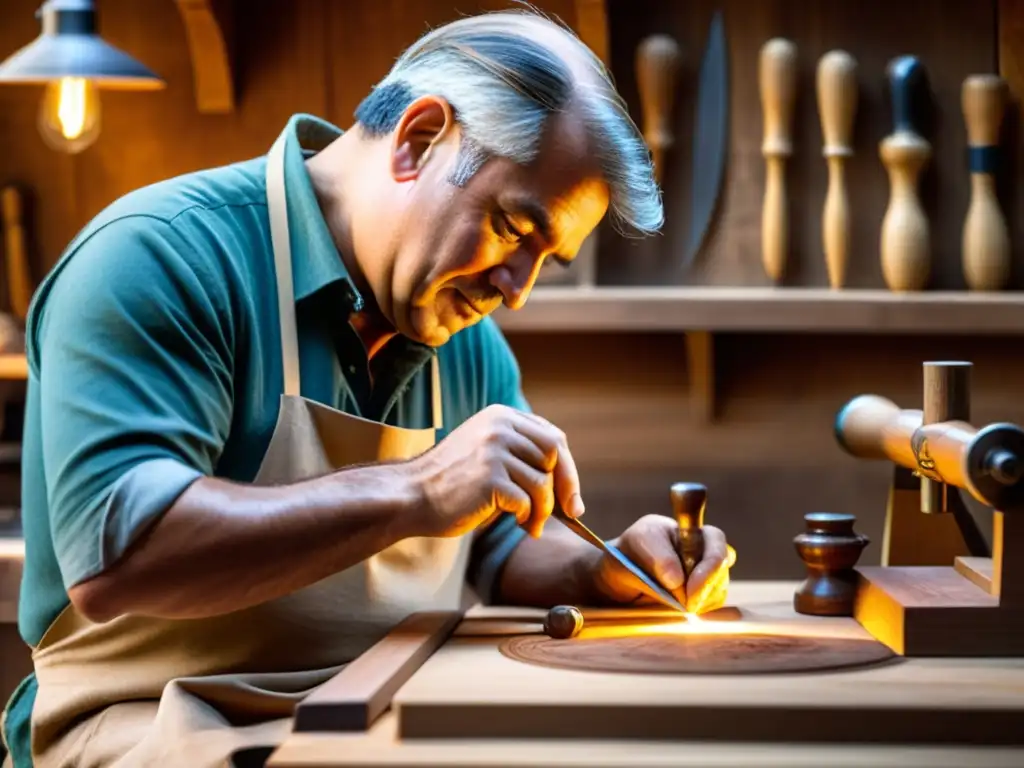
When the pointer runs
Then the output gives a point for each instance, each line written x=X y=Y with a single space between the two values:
x=148 y=692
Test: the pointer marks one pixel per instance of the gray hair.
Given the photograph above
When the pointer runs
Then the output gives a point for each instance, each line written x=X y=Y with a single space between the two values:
x=504 y=77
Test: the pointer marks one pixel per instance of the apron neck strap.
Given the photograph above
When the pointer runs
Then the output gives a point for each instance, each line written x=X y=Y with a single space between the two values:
x=277 y=204
x=436 y=408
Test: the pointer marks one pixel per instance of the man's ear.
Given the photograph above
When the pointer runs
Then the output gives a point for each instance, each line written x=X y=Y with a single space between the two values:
x=427 y=122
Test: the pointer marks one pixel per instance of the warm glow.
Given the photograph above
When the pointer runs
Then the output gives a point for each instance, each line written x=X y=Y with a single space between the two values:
x=69 y=117
x=71 y=106
x=727 y=623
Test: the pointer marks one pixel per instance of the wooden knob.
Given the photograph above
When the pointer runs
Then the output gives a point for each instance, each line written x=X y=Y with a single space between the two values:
x=777 y=81
x=19 y=281
x=905 y=239
x=986 y=252
x=837 y=106
x=689 y=501
x=829 y=549
x=563 y=622
x=657 y=67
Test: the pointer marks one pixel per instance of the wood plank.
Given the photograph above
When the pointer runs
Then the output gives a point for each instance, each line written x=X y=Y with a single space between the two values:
x=796 y=310
x=382 y=747
x=354 y=698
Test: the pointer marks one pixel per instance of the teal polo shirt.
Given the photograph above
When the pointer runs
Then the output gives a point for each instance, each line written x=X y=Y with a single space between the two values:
x=155 y=359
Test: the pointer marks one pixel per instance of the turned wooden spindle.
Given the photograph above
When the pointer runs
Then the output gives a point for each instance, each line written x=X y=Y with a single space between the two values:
x=19 y=281
x=657 y=67
x=777 y=82
x=837 y=106
x=986 y=239
x=905 y=241
x=689 y=501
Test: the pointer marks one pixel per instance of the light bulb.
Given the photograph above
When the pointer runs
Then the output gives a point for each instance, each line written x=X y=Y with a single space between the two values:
x=69 y=116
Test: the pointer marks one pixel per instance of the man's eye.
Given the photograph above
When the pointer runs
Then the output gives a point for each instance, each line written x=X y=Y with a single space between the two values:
x=506 y=229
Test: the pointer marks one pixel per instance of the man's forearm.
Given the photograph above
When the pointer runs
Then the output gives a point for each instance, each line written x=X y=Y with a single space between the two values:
x=555 y=569
x=225 y=546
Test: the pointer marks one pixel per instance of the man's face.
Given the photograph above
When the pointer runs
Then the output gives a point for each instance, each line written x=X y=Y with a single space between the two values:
x=461 y=252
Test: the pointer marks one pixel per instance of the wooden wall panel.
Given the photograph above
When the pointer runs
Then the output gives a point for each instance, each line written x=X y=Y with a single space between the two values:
x=366 y=38
x=770 y=455
x=281 y=69
x=952 y=43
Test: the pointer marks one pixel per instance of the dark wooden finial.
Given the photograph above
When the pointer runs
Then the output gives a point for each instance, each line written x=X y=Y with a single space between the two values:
x=829 y=548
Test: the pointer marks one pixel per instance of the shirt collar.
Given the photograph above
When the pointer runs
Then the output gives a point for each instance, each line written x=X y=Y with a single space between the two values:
x=316 y=262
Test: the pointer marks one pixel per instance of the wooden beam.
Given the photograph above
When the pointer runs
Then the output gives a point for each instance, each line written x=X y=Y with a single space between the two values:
x=700 y=364
x=354 y=698
x=206 y=26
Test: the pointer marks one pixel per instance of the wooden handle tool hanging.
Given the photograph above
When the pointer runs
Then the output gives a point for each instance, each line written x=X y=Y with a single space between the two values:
x=657 y=68
x=777 y=81
x=837 y=106
x=986 y=239
x=905 y=242
x=19 y=280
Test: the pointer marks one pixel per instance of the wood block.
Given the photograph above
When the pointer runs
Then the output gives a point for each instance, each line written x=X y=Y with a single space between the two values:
x=356 y=696
x=935 y=611
x=469 y=690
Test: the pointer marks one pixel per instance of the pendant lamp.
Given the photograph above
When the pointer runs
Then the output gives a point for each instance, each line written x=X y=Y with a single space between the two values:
x=73 y=63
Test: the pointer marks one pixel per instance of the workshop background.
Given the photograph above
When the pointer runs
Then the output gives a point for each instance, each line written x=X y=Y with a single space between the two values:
x=658 y=371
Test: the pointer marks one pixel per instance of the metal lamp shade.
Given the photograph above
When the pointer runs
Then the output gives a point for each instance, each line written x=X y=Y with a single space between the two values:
x=70 y=47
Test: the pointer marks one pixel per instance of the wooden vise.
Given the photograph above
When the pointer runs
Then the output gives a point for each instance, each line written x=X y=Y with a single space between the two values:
x=939 y=590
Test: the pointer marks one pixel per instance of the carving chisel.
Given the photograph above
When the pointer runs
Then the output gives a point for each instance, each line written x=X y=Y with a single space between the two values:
x=654 y=589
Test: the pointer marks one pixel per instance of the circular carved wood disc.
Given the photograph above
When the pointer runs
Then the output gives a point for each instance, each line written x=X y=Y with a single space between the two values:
x=696 y=653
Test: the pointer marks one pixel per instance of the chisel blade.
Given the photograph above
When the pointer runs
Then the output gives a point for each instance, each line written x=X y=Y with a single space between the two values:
x=711 y=137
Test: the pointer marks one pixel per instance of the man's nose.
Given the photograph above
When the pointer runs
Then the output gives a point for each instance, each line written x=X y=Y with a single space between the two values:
x=524 y=267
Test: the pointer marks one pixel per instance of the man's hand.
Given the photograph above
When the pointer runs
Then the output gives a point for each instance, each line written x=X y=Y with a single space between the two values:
x=500 y=460
x=652 y=542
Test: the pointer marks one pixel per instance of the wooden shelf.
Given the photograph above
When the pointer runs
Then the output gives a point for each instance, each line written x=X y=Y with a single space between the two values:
x=13 y=366
x=796 y=310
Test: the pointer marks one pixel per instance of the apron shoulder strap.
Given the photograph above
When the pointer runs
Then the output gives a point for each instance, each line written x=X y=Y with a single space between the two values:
x=277 y=205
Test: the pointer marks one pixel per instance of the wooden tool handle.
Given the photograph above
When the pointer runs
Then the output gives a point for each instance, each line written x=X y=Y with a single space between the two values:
x=689 y=501
x=777 y=83
x=905 y=238
x=19 y=281
x=837 y=105
x=986 y=250
x=657 y=66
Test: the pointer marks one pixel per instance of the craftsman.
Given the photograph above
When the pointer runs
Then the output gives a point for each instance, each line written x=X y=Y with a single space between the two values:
x=262 y=428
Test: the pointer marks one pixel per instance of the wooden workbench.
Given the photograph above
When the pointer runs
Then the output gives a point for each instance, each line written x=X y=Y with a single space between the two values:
x=959 y=709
